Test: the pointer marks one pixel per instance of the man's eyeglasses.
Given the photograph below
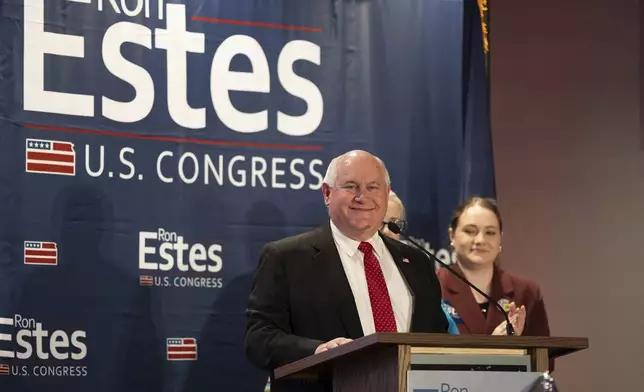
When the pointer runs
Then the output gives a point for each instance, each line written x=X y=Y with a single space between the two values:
x=400 y=222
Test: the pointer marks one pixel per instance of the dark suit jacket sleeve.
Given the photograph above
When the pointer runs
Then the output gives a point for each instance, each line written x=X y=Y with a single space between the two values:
x=537 y=318
x=433 y=319
x=269 y=341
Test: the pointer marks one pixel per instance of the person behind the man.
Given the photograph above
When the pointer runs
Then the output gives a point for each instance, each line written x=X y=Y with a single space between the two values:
x=396 y=214
x=344 y=280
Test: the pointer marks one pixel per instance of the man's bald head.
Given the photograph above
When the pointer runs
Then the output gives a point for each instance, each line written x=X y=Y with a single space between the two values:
x=332 y=170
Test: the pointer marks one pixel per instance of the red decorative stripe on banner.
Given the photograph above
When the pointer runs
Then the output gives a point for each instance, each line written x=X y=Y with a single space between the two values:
x=182 y=356
x=33 y=252
x=256 y=24
x=175 y=139
x=38 y=260
x=47 y=156
x=181 y=349
x=44 y=167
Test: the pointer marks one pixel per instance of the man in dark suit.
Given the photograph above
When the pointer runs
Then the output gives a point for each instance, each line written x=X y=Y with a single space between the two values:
x=321 y=289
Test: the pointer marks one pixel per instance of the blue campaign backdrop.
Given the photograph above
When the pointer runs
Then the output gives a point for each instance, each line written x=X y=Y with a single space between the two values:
x=149 y=149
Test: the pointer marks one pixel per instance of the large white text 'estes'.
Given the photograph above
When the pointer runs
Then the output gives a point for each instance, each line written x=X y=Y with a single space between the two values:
x=177 y=42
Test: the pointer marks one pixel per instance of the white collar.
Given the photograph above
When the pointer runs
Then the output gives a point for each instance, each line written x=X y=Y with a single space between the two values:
x=350 y=246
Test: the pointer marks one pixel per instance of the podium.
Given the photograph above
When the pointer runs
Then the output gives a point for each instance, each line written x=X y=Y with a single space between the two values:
x=402 y=362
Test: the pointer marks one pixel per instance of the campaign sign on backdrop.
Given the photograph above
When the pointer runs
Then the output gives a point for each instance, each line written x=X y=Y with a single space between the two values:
x=148 y=149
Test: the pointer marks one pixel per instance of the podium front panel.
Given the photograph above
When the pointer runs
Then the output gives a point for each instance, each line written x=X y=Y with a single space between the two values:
x=451 y=381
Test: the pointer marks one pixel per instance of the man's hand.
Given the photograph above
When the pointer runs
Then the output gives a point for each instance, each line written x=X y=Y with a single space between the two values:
x=332 y=344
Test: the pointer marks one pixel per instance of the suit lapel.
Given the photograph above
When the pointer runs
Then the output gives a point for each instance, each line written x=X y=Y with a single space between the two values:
x=405 y=267
x=463 y=300
x=329 y=265
x=407 y=272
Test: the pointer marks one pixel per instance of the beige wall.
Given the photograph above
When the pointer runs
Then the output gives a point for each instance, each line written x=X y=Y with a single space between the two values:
x=570 y=175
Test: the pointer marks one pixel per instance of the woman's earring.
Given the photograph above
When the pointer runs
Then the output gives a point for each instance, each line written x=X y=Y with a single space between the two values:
x=500 y=248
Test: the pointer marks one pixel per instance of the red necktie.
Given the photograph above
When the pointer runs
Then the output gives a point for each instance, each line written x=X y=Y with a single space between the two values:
x=383 y=312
